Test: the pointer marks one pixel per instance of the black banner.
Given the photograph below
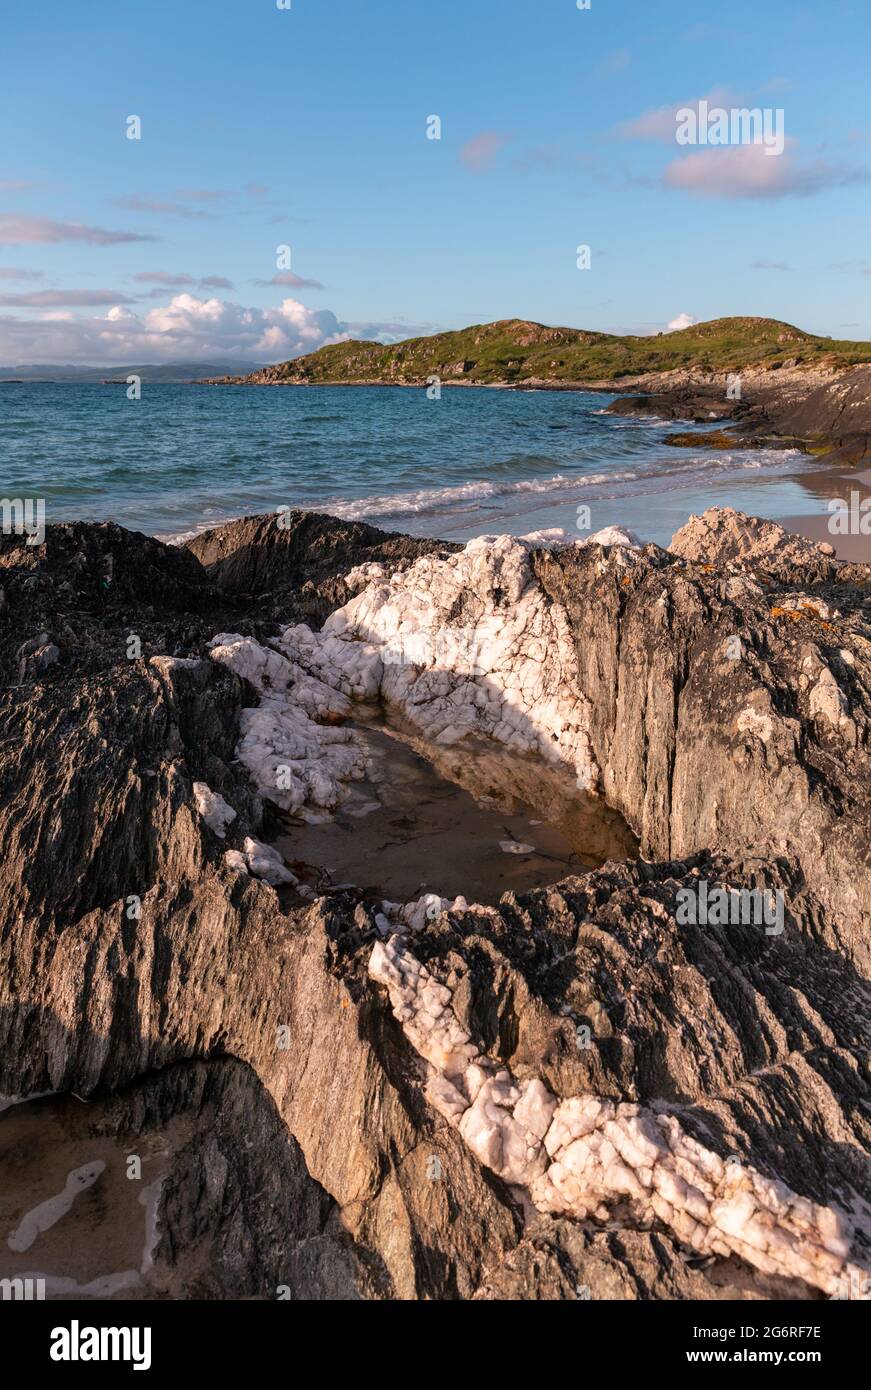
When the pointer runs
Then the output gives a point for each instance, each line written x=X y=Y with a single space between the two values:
x=157 y=1338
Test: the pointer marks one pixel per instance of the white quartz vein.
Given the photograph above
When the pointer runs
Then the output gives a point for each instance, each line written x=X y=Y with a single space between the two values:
x=582 y=1155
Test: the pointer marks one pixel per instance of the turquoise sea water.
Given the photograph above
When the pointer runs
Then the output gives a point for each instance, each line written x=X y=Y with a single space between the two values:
x=477 y=461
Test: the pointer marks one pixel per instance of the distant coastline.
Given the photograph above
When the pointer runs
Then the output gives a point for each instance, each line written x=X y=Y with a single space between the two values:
x=517 y=352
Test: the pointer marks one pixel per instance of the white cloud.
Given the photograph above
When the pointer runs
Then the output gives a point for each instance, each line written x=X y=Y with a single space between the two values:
x=682 y=321
x=184 y=329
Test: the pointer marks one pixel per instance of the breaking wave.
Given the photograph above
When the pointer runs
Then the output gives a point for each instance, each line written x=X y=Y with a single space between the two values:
x=469 y=496
x=441 y=498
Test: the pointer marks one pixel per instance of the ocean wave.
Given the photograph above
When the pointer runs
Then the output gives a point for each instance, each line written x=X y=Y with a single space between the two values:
x=399 y=504
x=435 y=499
x=687 y=466
x=179 y=537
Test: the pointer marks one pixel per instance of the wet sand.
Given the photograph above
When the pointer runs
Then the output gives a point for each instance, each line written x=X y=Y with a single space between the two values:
x=69 y=1212
x=827 y=485
x=816 y=528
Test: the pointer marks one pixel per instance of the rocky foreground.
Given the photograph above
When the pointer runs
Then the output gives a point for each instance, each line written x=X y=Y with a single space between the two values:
x=583 y=1091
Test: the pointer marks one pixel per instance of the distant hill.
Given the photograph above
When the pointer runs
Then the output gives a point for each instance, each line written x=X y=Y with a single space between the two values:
x=517 y=352
x=167 y=373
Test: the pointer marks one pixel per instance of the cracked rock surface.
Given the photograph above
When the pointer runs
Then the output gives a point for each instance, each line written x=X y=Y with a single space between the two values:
x=577 y=1092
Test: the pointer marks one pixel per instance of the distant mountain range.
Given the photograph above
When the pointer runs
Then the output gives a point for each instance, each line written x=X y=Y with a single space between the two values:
x=164 y=372
x=516 y=352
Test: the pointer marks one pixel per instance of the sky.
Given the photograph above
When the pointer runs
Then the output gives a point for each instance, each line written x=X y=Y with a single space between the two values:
x=307 y=128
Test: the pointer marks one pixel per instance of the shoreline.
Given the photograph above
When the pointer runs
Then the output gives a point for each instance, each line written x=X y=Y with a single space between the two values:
x=854 y=549
x=811 y=527
x=671 y=380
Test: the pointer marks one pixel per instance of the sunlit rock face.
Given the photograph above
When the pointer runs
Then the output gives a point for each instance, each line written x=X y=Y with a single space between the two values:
x=459 y=645
x=471 y=644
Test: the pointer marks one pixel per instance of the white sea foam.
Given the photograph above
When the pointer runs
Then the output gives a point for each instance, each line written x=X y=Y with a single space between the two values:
x=432 y=499
x=650 y=477
x=448 y=499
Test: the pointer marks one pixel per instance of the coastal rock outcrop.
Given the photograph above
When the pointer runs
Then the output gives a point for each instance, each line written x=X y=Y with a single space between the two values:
x=822 y=410
x=718 y=695
x=292 y=561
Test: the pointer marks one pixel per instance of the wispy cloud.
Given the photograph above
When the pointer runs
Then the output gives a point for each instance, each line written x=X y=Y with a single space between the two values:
x=661 y=123
x=854 y=267
x=18 y=229
x=164 y=280
x=479 y=153
x=278 y=218
x=550 y=157
x=746 y=171
x=203 y=195
x=220 y=195
x=54 y=299
x=735 y=171
x=770 y=265
x=14 y=272
x=163 y=277
x=292 y=281
x=391 y=332
x=133 y=202
x=709 y=33
x=775 y=85
x=617 y=62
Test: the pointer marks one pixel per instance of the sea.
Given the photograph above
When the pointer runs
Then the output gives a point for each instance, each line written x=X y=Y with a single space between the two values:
x=477 y=461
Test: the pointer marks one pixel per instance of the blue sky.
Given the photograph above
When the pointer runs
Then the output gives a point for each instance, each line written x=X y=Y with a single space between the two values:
x=307 y=127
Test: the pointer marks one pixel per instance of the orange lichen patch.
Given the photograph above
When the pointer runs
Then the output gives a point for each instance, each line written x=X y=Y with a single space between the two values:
x=626 y=579
x=807 y=610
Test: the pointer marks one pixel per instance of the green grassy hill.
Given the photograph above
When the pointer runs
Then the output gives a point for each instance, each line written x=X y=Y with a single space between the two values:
x=514 y=351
